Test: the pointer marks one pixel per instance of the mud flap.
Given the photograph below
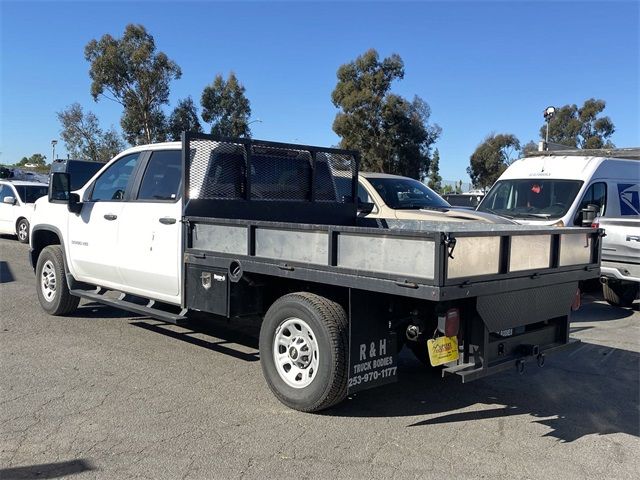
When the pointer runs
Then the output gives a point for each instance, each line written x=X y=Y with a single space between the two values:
x=373 y=356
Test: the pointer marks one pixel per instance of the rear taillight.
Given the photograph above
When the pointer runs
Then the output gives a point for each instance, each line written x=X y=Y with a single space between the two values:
x=576 y=301
x=449 y=323
x=595 y=224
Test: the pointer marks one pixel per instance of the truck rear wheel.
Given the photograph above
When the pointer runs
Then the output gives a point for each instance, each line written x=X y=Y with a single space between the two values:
x=303 y=351
x=51 y=282
x=620 y=294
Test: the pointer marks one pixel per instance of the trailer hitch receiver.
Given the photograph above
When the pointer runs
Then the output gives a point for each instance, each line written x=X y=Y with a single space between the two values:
x=529 y=350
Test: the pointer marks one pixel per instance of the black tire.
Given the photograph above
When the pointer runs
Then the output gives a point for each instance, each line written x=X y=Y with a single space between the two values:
x=54 y=298
x=329 y=324
x=620 y=294
x=22 y=230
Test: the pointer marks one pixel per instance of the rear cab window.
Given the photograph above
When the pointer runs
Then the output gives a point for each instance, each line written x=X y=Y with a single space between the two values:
x=162 y=177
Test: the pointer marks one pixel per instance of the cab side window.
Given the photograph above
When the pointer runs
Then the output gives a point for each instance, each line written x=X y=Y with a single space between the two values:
x=596 y=194
x=161 y=180
x=112 y=184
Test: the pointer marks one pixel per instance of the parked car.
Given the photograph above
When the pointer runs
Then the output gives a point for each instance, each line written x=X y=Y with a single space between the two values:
x=570 y=188
x=382 y=195
x=18 y=198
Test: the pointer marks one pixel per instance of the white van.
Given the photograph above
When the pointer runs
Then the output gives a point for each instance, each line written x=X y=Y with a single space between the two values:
x=569 y=188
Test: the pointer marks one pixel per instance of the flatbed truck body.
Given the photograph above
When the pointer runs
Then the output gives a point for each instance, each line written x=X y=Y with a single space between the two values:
x=267 y=231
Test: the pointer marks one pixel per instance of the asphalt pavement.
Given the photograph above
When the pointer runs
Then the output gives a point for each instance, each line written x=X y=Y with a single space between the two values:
x=104 y=394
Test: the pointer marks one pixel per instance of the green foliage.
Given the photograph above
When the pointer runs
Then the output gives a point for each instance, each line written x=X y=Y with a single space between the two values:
x=392 y=134
x=580 y=127
x=435 y=180
x=83 y=137
x=110 y=145
x=458 y=187
x=36 y=159
x=446 y=189
x=184 y=118
x=134 y=126
x=531 y=146
x=491 y=158
x=130 y=71
x=226 y=107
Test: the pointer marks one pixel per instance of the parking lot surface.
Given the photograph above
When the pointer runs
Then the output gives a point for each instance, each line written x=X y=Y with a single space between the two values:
x=104 y=394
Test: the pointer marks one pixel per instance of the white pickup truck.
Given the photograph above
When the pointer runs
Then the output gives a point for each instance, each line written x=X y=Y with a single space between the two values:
x=241 y=227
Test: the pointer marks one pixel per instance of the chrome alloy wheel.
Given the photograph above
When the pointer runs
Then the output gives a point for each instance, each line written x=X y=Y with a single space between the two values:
x=48 y=281
x=295 y=353
x=22 y=231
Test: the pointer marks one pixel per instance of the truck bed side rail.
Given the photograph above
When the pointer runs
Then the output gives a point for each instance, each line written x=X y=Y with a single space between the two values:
x=430 y=264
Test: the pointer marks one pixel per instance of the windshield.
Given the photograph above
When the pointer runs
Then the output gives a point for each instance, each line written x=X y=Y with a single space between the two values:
x=406 y=193
x=30 y=193
x=531 y=198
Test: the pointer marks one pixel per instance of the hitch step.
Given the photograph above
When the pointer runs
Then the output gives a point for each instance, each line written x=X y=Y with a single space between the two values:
x=465 y=371
x=125 y=303
x=471 y=371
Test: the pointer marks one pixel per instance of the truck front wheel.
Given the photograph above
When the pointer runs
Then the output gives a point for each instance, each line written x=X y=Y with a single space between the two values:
x=51 y=282
x=22 y=230
x=620 y=294
x=303 y=351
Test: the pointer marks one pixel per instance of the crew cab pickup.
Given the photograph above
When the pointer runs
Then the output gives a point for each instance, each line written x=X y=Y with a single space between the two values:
x=240 y=227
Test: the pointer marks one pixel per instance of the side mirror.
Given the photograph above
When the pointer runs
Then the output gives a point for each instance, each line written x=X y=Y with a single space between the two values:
x=75 y=205
x=365 y=207
x=589 y=214
x=9 y=200
x=59 y=192
x=59 y=187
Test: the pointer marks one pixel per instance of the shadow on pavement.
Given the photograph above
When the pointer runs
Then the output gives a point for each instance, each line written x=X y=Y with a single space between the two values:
x=100 y=311
x=47 y=470
x=6 y=275
x=601 y=312
x=590 y=390
x=222 y=336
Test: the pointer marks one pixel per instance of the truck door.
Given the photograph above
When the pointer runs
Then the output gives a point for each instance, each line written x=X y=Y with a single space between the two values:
x=150 y=232
x=93 y=234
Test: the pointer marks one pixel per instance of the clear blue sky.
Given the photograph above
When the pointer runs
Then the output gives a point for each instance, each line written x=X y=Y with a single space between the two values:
x=482 y=66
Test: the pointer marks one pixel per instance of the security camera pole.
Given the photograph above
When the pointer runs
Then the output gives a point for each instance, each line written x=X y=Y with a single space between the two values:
x=53 y=150
x=549 y=112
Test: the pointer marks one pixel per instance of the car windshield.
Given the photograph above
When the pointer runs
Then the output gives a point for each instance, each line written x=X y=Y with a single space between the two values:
x=531 y=198
x=406 y=193
x=30 y=193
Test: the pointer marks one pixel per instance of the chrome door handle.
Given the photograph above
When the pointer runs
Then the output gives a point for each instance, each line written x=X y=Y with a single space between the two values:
x=167 y=220
x=110 y=216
